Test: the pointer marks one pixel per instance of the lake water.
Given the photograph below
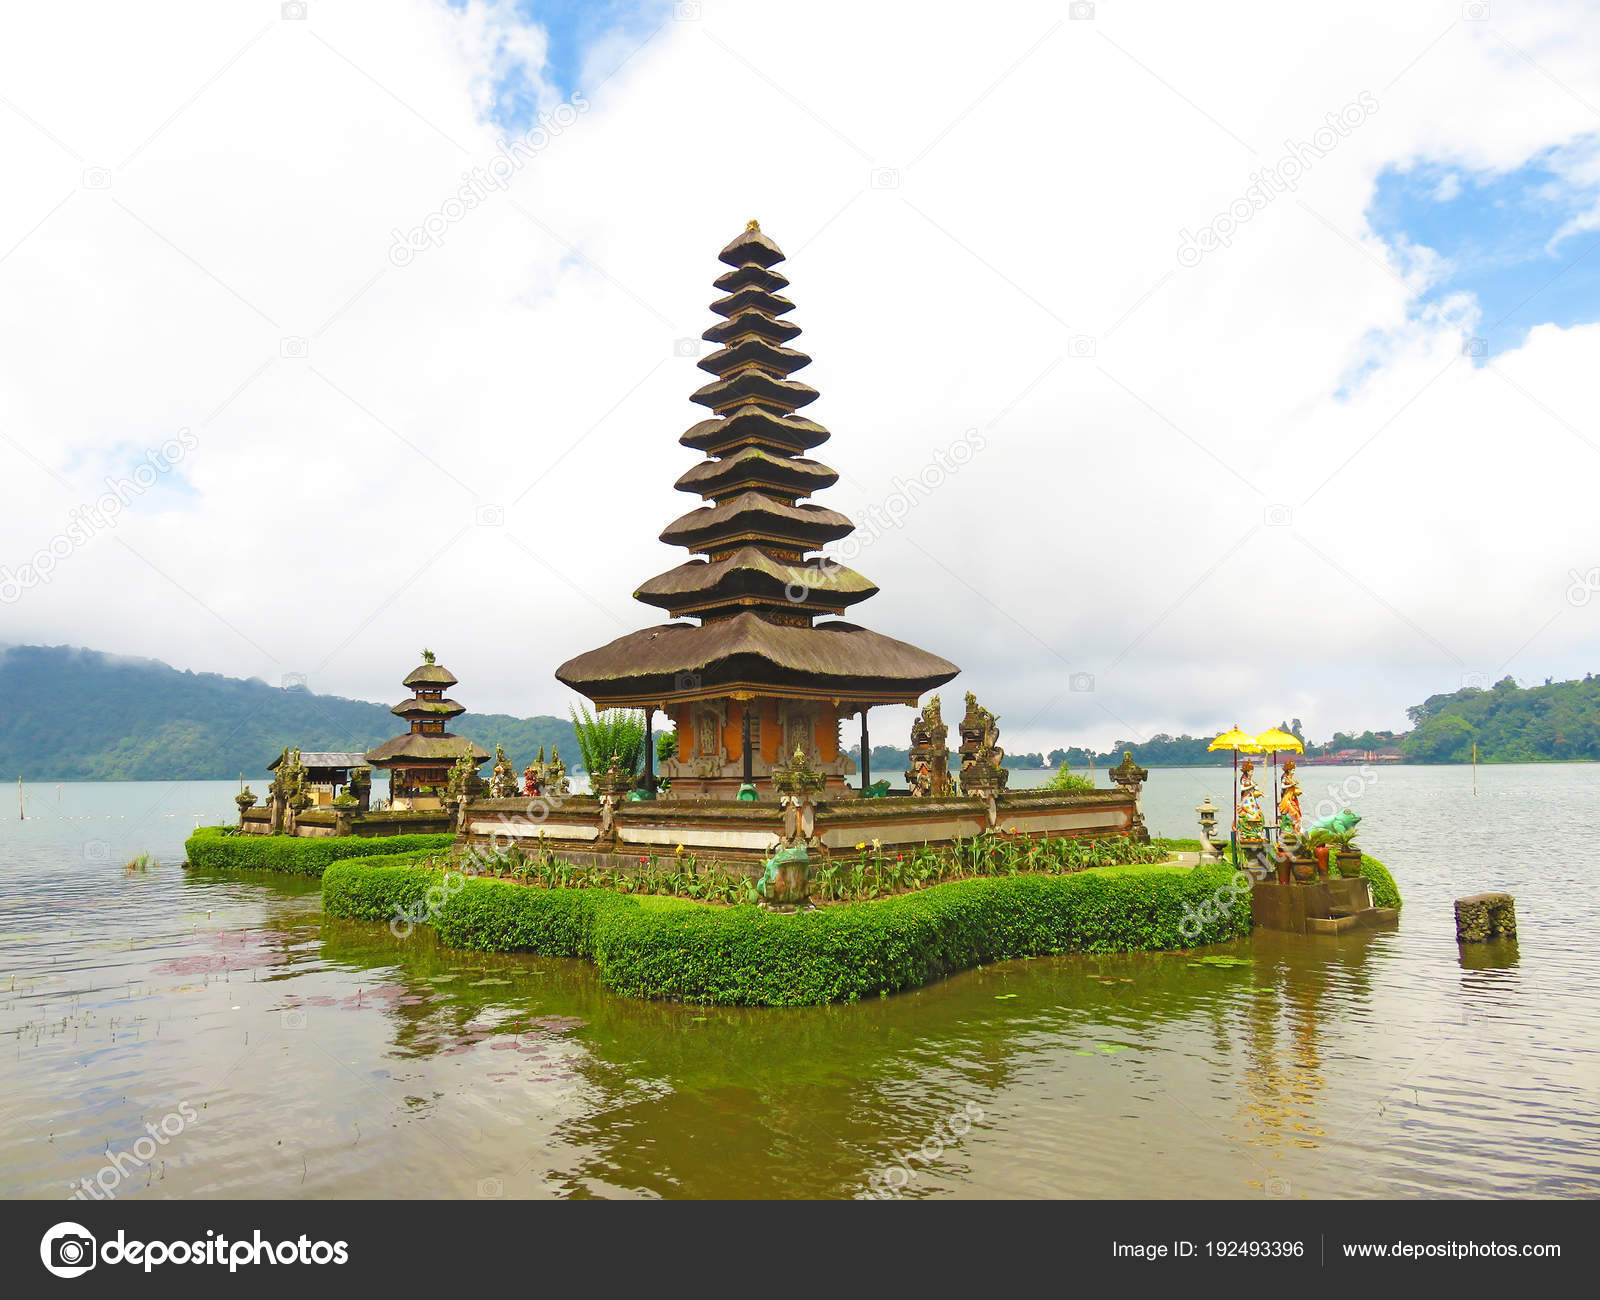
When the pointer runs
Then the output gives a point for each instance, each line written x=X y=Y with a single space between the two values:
x=281 y=1055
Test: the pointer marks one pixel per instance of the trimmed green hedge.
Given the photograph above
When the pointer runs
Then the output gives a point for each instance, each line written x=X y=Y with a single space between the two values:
x=296 y=855
x=745 y=956
x=1385 y=893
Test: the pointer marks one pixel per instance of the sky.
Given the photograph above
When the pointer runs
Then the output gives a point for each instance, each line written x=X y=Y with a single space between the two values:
x=1277 y=327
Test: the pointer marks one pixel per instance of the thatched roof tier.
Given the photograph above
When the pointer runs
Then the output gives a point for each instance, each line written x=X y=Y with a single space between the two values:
x=753 y=467
x=430 y=677
x=757 y=388
x=756 y=517
x=415 y=747
x=752 y=577
x=420 y=708
x=751 y=298
x=750 y=322
x=753 y=426
x=751 y=246
x=679 y=661
x=753 y=351
x=751 y=273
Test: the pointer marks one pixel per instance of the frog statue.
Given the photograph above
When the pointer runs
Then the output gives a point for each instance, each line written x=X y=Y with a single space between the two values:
x=783 y=881
x=1341 y=824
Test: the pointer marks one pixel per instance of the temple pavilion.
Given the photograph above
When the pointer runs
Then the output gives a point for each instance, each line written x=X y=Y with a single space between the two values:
x=767 y=669
x=419 y=760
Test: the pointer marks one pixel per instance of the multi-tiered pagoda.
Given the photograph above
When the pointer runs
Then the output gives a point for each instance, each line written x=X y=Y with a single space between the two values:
x=758 y=676
x=419 y=760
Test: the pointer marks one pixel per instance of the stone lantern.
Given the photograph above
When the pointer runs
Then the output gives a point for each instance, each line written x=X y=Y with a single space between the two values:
x=1208 y=824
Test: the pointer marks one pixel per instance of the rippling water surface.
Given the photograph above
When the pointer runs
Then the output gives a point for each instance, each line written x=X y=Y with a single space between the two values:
x=323 y=1058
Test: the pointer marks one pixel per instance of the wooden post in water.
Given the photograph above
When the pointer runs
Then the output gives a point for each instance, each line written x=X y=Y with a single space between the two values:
x=1474 y=768
x=21 y=815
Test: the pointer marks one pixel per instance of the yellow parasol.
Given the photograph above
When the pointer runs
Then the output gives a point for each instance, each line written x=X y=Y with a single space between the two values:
x=1279 y=742
x=1242 y=741
x=1275 y=742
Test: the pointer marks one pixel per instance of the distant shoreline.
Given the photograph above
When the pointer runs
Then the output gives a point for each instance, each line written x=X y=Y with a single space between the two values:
x=1154 y=767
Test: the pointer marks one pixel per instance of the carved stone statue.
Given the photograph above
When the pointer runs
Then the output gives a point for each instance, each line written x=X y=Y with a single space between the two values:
x=1289 y=803
x=1130 y=776
x=464 y=780
x=503 y=779
x=360 y=788
x=534 y=775
x=981 y=770
x=929 y=774
x=555 y=776
x=1250 y=824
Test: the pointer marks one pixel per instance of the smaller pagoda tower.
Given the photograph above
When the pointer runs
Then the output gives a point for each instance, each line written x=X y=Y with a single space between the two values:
x=419 y=760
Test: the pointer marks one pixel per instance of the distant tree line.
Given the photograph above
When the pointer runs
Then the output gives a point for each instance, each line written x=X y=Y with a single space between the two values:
x=79 y=715
x=76 y=714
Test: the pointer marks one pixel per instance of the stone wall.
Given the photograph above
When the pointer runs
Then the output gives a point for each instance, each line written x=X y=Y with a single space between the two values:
x=578 y=828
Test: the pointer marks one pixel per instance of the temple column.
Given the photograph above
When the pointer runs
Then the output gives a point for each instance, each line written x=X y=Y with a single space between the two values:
x=866 y=753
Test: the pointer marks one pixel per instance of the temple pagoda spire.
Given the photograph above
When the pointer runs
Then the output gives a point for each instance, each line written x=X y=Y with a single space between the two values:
x=756 y=527
x=758 y=676
x=419 y=759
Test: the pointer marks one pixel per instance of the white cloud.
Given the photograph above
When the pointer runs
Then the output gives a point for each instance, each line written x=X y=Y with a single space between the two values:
x=1116 y=524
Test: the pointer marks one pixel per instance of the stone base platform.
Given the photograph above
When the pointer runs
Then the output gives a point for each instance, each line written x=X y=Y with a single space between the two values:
x=584 y=831
x=1334 y=906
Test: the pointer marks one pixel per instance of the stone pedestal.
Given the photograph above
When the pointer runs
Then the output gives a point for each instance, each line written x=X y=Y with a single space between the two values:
x=1483 y=917
x=1318 y=907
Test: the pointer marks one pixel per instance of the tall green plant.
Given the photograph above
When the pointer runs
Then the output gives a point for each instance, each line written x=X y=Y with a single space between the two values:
x=1070 y=781
x=618 y=732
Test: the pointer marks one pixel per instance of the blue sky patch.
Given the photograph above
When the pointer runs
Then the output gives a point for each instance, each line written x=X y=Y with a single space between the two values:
x=1495 y=231
x=573 y=27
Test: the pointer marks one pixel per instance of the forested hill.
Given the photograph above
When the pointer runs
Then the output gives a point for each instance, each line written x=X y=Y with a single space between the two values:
x=1509 y=723
x=72 y=715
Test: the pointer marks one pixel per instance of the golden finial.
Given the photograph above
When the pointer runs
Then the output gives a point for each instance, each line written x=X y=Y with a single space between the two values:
x=753 y=224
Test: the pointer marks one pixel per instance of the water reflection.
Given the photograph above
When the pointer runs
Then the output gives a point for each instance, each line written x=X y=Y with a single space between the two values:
x=328 y=1058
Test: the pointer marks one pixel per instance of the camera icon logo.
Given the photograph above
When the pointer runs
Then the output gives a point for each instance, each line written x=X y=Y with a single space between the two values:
x=1081 y=345
x=293 y=681
x=885 y=178
x=1277 y=1188
x=96 y=178
x=293 y=1018
x=292 y=10
x=686 y=682
x=1475 y=681
x=1081 y=682
x=97 y=851
x=490 y=516
x=68 y=1250
x=1279 y=516
x=294 y=348
x=686 y=11
x=686 y=347
x=1476 y=11
x=1475 y=347
x=1081 y=10
x=493 y=1187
